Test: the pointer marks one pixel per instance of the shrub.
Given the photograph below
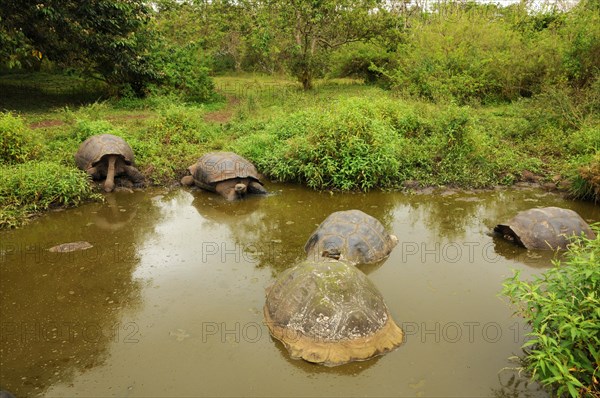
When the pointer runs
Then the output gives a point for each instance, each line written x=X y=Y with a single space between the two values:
x=14 y=142
x=563 y=308
x=31 y=187
x=585 y=179
x=184 y=71
x=469 y=57
x=361 y=60
x=347 y=146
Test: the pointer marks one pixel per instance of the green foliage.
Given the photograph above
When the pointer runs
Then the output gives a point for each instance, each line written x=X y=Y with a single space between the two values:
x=343 y=147
x=363 y=61
x=585 y=178
x=468 y=56
x=581 y=40
x=563 y=308
x=183 y=72
x=360 y=144
x=103 y=37
x=14 y=141
x=32 y=187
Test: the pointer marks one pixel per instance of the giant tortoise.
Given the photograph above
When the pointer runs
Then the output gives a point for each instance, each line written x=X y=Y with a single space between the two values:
x=226 y=173
x=544 y=228
x=328 y=312
x=107 y=156
x=352 y=236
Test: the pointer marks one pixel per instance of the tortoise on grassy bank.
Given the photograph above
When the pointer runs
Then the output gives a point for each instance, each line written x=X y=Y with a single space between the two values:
x=328 y=312
x=352 y=236
x=226 y=173
x=107 y=156
x=544 y=228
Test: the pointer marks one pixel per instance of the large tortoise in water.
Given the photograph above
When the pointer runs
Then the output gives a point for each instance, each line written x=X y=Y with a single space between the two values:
x=226 y=173
x=352 y=236
x=544 y=228
x=107 y=156
x=328 y=312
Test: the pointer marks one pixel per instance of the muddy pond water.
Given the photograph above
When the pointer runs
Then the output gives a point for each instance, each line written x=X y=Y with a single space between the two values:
x=169 y=300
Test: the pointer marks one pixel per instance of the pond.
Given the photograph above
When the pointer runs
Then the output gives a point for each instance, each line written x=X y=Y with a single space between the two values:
x=168 y=301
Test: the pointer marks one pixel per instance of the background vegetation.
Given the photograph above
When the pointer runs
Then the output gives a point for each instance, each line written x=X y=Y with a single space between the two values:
x=563 y=308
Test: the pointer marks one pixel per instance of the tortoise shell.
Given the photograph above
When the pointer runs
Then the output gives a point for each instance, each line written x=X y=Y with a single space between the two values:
x=329 y=312
x=92 y=150
x=215 y=167
x=544 y=228
x=355 y=236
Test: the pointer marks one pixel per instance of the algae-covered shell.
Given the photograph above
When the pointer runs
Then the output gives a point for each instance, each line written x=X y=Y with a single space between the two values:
x=544 y=228
x=351 y=235
x=328 y=312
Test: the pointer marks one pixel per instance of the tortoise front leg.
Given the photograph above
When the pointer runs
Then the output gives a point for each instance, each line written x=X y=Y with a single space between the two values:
x=256 y=188
x=93 y=172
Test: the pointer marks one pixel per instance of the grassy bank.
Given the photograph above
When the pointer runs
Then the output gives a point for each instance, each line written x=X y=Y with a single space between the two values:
x=343 y=136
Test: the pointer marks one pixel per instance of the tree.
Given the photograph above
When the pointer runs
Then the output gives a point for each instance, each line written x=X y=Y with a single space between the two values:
x=104 y=37
x=316 y=27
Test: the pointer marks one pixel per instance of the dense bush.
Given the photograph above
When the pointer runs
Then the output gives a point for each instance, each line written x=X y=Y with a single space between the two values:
x=361 y=144
x=184 y=70
x=585 y=181
x=28 y=188
x=470 y=56
x=14 y=140
x=363 y=61
x=563 y=308
x=347 y=146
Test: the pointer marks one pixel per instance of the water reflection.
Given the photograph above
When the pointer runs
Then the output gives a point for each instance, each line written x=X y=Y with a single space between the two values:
x=274 y=229
x=61 y=311
x=532 y=258
x=514 y=384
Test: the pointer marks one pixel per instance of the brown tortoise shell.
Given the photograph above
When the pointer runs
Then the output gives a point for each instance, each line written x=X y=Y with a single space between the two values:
x=358 y=237
x=215 y=167
x=92 y=150
x=329 y=312
x=544 y=228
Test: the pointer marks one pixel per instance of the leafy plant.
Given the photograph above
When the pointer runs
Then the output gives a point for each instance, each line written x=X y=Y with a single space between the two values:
x=32 y=187
x=585 y=183
x=563 y=308
x=14 y=143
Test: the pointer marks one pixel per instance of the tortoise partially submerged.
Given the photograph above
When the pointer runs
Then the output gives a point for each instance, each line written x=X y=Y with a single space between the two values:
x=106 y=156
x=352 y=236
x=226 y=173
x=328 y=312
x=544 y=228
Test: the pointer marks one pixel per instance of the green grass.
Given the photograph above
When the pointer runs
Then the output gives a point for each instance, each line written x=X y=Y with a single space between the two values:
x=343 y=135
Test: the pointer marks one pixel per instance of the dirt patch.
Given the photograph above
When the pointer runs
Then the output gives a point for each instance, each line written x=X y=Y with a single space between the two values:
x=46 y=123
x=223 y=115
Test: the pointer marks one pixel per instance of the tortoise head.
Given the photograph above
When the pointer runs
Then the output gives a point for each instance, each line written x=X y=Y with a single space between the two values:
x=240 y=188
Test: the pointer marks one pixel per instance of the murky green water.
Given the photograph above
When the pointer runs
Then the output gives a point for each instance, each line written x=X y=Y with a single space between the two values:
x=169 y=300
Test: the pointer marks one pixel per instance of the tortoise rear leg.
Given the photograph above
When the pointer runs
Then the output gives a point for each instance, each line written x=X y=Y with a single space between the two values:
x=135 y=176
x=256 y=188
